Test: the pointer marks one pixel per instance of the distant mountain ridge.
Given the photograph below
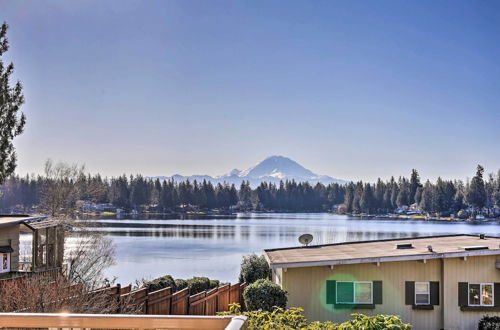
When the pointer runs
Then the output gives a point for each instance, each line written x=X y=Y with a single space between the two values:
x=272 y=169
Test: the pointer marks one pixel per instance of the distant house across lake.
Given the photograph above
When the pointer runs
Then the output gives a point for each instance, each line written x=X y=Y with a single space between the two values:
x=438 y=282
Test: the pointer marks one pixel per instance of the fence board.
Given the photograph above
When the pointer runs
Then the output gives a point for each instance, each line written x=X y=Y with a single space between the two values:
x=159 y=302
x=138 y=298
x=211 y=302
x=180 y=302
x=223 y=298
x=234 y=294
x=197 y=304
x=126 y=289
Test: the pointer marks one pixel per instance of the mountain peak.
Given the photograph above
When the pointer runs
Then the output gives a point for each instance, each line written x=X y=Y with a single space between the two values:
x=272 y=169
x=276 y=157
x=278 y=167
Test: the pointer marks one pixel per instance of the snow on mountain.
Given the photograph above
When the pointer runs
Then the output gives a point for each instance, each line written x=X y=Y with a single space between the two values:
x=272 y=169
x=234 y=172
x=277 y=166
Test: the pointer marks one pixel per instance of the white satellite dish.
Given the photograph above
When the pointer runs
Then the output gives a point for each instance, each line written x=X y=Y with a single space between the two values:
x=305 y=239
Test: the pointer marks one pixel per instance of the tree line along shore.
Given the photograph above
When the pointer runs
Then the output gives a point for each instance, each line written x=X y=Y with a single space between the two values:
x=66 y=189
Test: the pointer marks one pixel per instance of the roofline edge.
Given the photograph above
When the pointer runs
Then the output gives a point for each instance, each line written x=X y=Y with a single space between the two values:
x=477 y=253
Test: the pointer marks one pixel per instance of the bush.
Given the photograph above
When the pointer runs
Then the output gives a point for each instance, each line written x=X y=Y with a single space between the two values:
x=198 y=284
x=181 y=284
x=489 y=323
x=195 y=284
x=253 y=268
x=279 y=318
x=376 y=322
x=462 y=214
x=265 y=295
x=293 y=318
x=213 y=284
x=162 y=282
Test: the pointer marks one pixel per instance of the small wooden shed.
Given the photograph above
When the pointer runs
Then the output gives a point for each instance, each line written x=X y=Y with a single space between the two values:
x=47 y=250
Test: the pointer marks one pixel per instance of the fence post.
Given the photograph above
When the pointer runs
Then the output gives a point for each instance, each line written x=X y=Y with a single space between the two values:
x=118 y=298
x=242 y=288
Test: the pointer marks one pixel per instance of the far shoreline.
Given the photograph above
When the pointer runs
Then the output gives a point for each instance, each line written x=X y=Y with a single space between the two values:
x=232 y=215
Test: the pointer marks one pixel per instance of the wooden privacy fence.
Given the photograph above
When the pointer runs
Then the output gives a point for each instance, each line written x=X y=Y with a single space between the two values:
x=165 y=302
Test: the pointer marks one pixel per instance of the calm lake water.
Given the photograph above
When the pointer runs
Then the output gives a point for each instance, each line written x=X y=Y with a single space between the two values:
x=214 y=247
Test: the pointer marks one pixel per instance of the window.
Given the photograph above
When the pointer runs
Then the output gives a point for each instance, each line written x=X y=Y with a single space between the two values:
x=4 y=262
x=354 y=292
x=422 y=293
x=481 y=294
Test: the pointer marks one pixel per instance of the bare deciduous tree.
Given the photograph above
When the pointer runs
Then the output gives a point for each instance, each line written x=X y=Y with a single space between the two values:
x=42 y=294
x=60 y=191
x=88 y=254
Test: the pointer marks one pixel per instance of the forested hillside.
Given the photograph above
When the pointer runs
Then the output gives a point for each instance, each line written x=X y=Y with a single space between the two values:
x=442 y=197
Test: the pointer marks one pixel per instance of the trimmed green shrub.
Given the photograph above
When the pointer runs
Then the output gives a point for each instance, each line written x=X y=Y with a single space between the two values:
x=195 y=284
x=376 y=322
x=253 y=268
x=265 y=295
x=293 y=318
x=162 y=282
x=181 y=284
x=489 y=323
x=213 y=284
x=198 y=284
x=279 y=318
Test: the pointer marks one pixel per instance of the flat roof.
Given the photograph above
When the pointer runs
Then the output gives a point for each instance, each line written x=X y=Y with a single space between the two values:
x=10 y=220
x=447 y=246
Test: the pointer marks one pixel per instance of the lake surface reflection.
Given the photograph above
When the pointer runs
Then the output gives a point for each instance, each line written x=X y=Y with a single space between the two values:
x=214 y=247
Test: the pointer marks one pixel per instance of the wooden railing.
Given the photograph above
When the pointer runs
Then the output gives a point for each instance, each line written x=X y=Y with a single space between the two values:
x=114 y=321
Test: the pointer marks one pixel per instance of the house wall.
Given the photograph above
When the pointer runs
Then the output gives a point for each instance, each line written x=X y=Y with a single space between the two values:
x=307 y=288
x=472 y=270
x=10 y=236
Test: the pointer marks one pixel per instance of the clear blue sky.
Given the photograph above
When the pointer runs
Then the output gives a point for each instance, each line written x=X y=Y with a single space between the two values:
x=352 y=89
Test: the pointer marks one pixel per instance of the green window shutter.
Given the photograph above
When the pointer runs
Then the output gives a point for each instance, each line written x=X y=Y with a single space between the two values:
x=496 y=293
x=330 y=292
x=463 y=291
x=345 y=292
x=377 y=292
x=434 y=288
x=409 y=293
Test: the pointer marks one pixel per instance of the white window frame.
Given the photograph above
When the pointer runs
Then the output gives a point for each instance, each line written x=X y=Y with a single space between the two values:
x=2 y=270
x=481 y=285
x=354 y=292
x=428 y=293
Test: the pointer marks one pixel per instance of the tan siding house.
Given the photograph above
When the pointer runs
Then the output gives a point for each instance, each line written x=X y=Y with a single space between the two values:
x=441 y=282
x=9 y=249
x=47 y=244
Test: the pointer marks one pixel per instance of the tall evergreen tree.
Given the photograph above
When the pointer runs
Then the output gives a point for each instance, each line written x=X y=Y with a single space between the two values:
x=394 y=194
x=368 y=200
x=496 y=194
x=402 y=198
x=426 y=203
x=11 y=100
x=349 y=197
x=414 y=185
x=245 y=196
x=476 y=194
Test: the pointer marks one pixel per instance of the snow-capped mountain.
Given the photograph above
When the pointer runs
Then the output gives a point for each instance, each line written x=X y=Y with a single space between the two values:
x=272 y=169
